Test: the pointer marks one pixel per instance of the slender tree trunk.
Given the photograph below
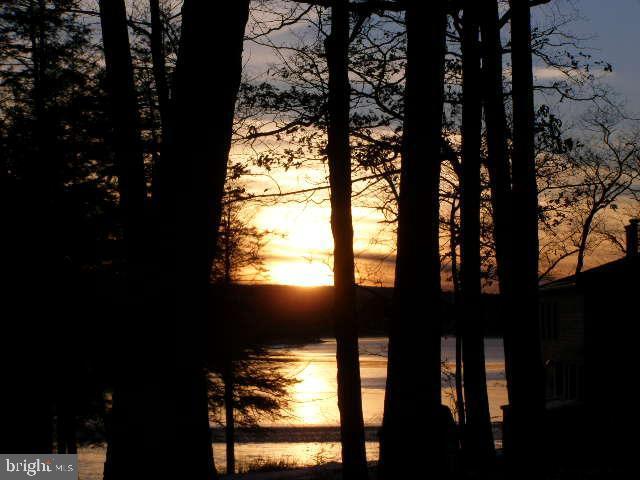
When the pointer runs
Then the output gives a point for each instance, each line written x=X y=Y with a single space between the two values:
x=230 y=347
x=460 y=404
x=158 y=61
x=497 y=159
x=130 y=416
x=230 y=428
x=354 y=459
x=479 y=449
x=162 y=93
x=584 y=238
x=455 y=274
x=66 y=428
x=125 y=140
x=414 y=368
x=527 y=372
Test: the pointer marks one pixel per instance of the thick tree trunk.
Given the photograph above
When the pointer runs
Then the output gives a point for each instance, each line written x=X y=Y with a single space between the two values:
x=202 y=112
x=527 y=373
x=478 y=442
x=497 y=157
x=414 y=370
x=339 y=157
x=195 y=165
x=193 y=176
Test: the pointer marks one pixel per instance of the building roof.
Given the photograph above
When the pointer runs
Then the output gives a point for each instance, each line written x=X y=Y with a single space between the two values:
x=613 y=273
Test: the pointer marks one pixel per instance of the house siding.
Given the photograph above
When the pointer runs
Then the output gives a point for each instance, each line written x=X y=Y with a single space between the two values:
x=562 y=326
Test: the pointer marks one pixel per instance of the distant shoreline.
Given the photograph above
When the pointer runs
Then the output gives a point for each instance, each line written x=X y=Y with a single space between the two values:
x=304 y=434
x=284 y=342
x=289 y=434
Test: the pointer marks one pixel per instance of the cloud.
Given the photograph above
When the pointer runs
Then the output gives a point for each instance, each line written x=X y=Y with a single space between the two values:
x=548 y=73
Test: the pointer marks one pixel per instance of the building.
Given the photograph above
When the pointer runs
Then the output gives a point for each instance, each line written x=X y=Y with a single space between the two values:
x=590 y=349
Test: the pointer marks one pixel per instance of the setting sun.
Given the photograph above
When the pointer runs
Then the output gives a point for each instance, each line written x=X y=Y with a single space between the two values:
x=300 y=246
x=299 y=252
x=303 y=273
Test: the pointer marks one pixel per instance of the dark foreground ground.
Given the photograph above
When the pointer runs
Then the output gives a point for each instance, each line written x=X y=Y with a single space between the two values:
x=331 y=471
x=328 y=471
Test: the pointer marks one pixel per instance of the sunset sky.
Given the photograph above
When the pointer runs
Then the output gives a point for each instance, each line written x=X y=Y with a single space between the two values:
x=299 y=249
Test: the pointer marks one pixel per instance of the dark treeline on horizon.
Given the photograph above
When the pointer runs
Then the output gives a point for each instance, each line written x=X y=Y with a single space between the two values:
x=122 y=247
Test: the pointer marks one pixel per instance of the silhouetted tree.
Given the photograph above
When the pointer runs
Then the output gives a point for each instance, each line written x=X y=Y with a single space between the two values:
x=526 y=371
x=192 y=177
x=414 y=334
x=246 y=386
x=589 y=184
x=128 y=419
x=194 y=172
x=42 y=63
x=125 y=139
x=240 y=256
x=292 y=104
x=240 y=384
x=453 y=232
x=354 y=459
x=478 y=440
x=497 y=158
x=158 y=61
x=157 y=43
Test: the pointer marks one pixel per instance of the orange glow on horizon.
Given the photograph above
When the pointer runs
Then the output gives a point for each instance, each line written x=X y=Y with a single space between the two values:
x=301 y=273
x=300 y=251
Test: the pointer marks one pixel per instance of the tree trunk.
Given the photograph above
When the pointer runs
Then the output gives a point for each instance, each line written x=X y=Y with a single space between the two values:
x=527 y=372
x=193 y=180
x=230 y=429
x=339 y=157
x=455 y=275
x=196 y=155
x=162 y=93
x=584 y=238
x=158 y=61
x=497 y=158
x=66 y=427
x=125 y=140
x=414 y=369
x=478 y=442
x=460 y=405
x=130 y=417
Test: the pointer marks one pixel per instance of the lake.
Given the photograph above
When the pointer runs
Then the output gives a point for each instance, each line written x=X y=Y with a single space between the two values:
x=315 y=398
x=307 y=434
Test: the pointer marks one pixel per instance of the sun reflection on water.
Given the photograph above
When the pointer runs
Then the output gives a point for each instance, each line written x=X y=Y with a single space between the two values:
x=313 y=396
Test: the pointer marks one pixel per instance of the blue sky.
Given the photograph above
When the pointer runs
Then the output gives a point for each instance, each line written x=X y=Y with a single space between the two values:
x=613 y=26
